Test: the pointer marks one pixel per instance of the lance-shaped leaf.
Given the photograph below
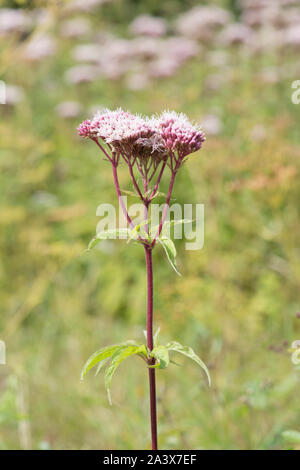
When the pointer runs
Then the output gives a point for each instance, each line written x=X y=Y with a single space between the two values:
x=119 y=356
x=100 y=355
x=160 y=353
x=170 y=223
x=101 y=365
x=108 y=234
x=187 y=351
x=170 y=250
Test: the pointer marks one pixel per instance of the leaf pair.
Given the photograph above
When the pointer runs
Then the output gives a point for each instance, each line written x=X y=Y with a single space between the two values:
x=115 y=355
x=161 y=354
x=138 y=232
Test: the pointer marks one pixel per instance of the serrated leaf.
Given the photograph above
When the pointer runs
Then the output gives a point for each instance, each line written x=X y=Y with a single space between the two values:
x=100 y=355
x=291 y=436
x=119 y=356
x=106 y=235
x=97 y=357
x=189 y=352
x=101 y=365
x=161 y=353
x=170 y=250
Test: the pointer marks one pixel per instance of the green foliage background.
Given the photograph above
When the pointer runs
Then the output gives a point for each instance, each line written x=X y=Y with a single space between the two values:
x=235 y=305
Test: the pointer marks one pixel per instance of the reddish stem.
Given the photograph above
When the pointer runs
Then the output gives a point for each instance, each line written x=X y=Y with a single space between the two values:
x=153 y=417
x=158 y=179
x=135 y=182
x=102 y=148
x=166 y=207
x=118 y=190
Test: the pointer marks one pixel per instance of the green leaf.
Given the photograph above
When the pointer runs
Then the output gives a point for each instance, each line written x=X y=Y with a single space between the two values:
x=129 y=193
x=187 y=351
x=161 y=353
x=102 y=354
x=97 y=357
x=119 y=356
x=291 y=436
x=101 y=365
x=107 y=234
x=170 y=223
x=170 y=250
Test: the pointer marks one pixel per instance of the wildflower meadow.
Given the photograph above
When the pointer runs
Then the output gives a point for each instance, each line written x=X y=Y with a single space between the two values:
x=149 y=155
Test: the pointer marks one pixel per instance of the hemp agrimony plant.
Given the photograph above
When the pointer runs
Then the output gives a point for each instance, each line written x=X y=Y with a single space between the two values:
x=151 y=148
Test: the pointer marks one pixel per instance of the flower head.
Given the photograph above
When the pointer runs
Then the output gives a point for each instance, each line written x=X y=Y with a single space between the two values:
x=125 y=132
x=120 y=127
x=141 y=138
x=178 y=133
x=84 y=129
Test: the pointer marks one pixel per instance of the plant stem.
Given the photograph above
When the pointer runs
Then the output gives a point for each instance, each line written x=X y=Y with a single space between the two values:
x=118 y=191
x=166 y=207
x=153 y=418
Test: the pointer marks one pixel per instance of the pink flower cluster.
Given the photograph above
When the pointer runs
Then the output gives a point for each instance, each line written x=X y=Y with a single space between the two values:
x=168 y=133
x=178 y=133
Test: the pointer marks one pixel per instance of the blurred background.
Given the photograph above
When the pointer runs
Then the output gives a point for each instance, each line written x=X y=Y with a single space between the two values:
x=229 y=64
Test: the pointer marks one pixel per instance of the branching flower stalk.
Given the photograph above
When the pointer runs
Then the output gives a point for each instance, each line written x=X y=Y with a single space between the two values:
x=149 y=147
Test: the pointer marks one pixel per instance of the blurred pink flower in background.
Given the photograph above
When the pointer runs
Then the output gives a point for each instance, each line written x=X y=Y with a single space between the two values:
x=163 y=67
x=146 y=25
x=40 y=46
x=201 y=22
x=212 y=124
x=82 y=74
x=180 y=48
x=13 y=21
x=291 y=36
x=75 y=28
x=146 y=48
x=68 y=109
x=86 y=53
x=263 y=27
x=235 y=33
x=84 y=6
